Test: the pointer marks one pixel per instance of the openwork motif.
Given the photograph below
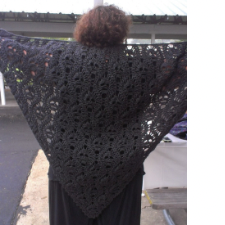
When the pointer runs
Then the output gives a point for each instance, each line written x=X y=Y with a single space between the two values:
x=96 y=113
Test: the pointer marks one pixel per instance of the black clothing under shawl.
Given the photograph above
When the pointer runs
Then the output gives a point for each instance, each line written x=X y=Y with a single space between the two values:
x=125 y=209
x=96 y=112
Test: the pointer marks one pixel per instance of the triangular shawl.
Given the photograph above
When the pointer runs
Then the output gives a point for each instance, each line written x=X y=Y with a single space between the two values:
x=96 y=112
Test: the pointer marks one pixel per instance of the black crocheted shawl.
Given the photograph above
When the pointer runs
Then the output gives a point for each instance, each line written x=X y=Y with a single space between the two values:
x=96 y=112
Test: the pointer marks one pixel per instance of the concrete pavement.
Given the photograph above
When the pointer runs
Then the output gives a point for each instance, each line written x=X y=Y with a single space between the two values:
x=18 y=149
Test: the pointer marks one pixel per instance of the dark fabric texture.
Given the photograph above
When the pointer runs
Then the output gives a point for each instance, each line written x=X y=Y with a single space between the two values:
x=51 y=175
x=96 y=112
x=125 y=209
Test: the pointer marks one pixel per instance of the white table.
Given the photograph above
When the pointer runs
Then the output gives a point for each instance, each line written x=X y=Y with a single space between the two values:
x=166 y=166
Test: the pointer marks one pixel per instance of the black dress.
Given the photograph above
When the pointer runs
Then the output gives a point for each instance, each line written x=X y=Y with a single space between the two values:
x=125 y=209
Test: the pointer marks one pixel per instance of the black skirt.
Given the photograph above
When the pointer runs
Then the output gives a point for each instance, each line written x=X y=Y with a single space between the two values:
x=125 y=209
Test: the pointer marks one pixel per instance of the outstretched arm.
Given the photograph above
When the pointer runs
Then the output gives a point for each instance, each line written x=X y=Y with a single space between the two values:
x=31 y=70
x=169 y=104
x=22 y=59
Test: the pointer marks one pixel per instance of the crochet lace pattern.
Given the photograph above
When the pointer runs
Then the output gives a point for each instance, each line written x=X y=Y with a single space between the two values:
x=96 y=112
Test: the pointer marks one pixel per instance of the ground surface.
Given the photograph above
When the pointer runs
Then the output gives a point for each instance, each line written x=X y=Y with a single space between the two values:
x=18 y=149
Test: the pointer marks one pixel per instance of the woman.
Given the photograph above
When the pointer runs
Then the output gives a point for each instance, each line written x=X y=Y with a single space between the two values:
x=97 y=108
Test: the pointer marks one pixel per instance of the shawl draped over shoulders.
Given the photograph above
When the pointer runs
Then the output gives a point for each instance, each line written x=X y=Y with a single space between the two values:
x=97 y=113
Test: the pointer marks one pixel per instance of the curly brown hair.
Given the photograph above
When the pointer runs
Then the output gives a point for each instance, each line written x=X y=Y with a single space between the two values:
x=102 y=26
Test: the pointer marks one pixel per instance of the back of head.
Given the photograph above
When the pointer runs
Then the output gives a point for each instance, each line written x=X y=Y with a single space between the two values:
x=102 y=26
